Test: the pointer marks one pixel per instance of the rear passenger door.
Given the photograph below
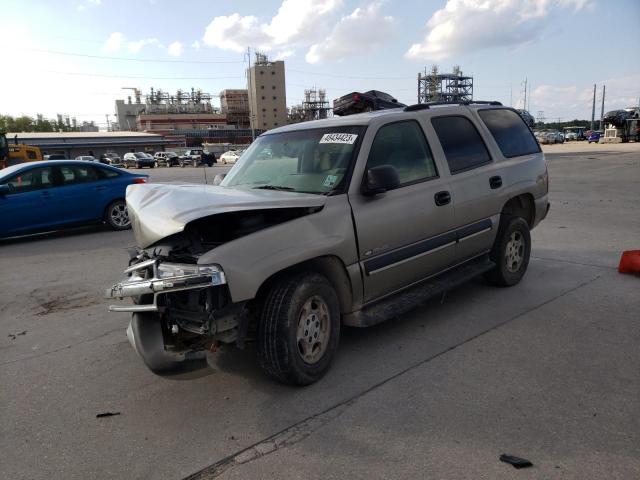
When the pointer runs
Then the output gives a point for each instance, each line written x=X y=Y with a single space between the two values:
x=475 y=180
x=403 y=235
x=81 y=193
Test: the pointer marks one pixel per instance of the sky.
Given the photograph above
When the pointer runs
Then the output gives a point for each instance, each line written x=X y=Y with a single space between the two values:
x=73 y=57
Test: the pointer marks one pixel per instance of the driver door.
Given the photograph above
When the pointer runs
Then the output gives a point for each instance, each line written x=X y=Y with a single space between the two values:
x=32 y=205
x=403 y=235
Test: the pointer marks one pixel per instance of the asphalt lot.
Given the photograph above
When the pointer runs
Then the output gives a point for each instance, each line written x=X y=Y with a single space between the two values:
x=547 y=370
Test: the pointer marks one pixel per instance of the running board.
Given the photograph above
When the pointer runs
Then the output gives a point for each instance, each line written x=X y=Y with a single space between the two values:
x=413 y=297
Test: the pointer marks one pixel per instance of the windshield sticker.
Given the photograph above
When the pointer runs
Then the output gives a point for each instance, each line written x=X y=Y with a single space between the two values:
x=346 y=138
x=330 y=181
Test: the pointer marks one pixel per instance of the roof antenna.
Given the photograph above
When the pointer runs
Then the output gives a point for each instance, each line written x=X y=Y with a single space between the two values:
x=204 y=169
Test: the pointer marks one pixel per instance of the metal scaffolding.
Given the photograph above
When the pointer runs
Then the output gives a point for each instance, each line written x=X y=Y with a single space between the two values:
x=314 y=107
x=444 y=87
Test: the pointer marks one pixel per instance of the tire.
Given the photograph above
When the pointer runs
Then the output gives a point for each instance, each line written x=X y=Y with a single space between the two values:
x=154 y=164
x=224 y=161
x=117 y=216
x=284 y=349
x=510 y=252
x=181 y=164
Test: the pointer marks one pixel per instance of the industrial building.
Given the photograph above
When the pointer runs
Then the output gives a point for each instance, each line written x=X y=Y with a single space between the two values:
x=444 y=87
x=73 y=144
x=234 y=104
x=267 y=93
x=314 y=107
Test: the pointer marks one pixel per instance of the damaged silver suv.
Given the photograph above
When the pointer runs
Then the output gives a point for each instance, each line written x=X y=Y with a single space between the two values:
x=345 y=221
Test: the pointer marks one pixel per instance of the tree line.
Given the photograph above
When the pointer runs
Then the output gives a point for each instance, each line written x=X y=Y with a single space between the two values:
x=25 y=123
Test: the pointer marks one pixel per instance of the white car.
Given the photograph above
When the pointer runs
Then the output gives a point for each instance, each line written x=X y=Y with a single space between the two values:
x=86 y=158
x=231 y=156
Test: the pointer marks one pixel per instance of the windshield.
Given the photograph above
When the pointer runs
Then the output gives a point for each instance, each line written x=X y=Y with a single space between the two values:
x=140 y=155
x=308 y=161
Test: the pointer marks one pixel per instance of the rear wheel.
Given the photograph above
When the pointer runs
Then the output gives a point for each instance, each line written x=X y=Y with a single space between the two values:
x=511 y=252
x=299 y=329
x=117 y=215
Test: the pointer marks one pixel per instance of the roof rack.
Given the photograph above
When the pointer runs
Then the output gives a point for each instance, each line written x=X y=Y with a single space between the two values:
x=426 y=106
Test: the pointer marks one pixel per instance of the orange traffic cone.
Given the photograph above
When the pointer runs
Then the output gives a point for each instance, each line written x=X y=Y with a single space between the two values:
x=630 y=262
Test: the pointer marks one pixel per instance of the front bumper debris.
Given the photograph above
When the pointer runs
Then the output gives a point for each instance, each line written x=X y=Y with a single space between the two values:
x=167 y=277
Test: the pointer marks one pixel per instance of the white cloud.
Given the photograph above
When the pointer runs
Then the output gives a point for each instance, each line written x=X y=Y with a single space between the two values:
x=361 y=31
x=114 y=42
x=468 y=25
x=82 y=7
x=137 y=45
x=284 y=54
x=118 y=41
x=235 y=33
x=297 y=23
x=175 y=49
x=196 y=45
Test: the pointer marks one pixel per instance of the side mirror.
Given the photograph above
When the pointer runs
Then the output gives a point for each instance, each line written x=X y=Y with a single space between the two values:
x=380 y=179
x=6 y=188
x=217 y=180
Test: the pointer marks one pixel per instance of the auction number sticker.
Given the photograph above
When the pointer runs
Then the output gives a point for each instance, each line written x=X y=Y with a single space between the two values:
x=346 y=138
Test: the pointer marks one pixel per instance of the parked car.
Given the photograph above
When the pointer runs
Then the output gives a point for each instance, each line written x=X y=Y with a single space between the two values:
x=111 y=158
x=196 y=157
x=346 y=221
x=231 y=156
x=166 y=159
x=527 y=117
x=570 y=136
x=357 y=102
x=55 y=156
x=594 y=136
x=49 y=195
x=138 y=160
x=86 y=158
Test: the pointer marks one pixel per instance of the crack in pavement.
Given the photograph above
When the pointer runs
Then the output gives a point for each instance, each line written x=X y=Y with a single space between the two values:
x=300 y=430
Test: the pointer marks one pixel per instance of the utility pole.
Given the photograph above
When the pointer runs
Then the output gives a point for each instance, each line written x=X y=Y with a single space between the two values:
x=593 y=108
x=108 y=124
x=602 y=108
x=510 y=94
x=529 y=109
x=524 y=107
x=249 y=92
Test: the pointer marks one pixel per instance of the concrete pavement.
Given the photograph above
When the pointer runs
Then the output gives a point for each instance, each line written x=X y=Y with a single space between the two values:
x=546 y=370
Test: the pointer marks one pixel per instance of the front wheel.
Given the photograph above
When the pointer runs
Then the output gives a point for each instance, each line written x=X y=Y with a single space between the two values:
x=511 y=252
x=117 y=215
x=299 y=329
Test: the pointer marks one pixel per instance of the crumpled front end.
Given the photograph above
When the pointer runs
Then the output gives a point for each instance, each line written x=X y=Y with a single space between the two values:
x=180 y=311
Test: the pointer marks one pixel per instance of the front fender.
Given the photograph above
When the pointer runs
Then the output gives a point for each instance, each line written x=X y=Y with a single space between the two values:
x=249 y=261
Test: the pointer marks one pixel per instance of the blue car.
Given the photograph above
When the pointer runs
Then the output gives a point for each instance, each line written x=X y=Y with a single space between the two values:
x=594 y=137
x=44 y=196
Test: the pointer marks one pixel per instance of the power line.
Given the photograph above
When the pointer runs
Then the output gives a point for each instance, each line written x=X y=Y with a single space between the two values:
x=139 y=76
x=126 y=59
x=345 y=76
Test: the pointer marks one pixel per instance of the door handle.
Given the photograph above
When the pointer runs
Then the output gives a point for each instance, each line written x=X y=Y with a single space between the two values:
x=101 y=188
x=442 y=198
x=495 y=182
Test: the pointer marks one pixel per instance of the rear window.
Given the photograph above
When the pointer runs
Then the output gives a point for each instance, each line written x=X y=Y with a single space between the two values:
x=511 y=133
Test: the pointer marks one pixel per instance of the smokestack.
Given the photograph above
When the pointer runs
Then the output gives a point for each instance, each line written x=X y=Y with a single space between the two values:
x=593 y=108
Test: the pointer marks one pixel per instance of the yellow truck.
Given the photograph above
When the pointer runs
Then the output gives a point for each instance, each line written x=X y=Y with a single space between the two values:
x=16 y=153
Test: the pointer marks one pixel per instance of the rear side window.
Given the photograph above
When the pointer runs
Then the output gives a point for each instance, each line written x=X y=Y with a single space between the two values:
x=512 y=135
x=463 y=147
x=78 y=174
x=107 y=173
